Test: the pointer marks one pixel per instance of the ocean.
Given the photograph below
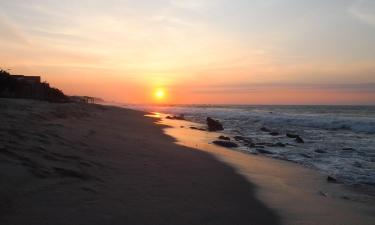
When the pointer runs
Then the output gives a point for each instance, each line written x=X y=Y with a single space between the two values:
x=339 y=140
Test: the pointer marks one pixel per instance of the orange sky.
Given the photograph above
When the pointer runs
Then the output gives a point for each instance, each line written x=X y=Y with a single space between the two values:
x=207 y=51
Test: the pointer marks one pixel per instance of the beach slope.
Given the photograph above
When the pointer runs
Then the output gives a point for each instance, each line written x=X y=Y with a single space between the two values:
x=90 y=164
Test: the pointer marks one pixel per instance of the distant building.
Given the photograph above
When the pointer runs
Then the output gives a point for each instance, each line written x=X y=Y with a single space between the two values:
x=83 y=99
x=28 y=79
x=21 y=86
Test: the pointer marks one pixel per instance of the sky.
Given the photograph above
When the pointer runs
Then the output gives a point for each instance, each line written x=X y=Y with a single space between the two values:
x=196 y=51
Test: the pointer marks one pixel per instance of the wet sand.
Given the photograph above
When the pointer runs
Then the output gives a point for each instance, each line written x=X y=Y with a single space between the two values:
x=87 y=164
x=299 y=195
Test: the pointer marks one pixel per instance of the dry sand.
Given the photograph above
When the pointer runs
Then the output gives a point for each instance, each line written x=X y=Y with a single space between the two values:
x=70 y=164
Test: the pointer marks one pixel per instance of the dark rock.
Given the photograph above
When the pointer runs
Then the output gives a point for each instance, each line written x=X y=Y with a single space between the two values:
x=279 y=144
x=227 y=144
x=264 y=143
x=274 y=133
x=250 y=145
x=263 y=151
x=348 y=149
x=224 y=138
x=258 y=146
x=246 y=140
x=305 y=155
x=214 y=125
x=239 y=138
x=345 y=197
x=320 y=151
x=197 y=128
x=299 y=140
x=180 y=117
x=357 y=164
x=289 y=135
x=265 y=129
x=331 y=179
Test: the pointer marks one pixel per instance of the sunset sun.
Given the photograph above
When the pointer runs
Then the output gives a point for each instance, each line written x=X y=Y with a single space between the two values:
x=160 y=94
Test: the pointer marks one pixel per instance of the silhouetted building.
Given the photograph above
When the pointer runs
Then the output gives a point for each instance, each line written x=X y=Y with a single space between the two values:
x=21 y=86
x=28 y=79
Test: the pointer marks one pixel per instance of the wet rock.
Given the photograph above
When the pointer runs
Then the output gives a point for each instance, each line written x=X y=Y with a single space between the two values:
x=331 y=179
x=348 y=149
x=305 y=155
x=258 y=146
x=320 y=151
x=290 y=135
x=345 y=197
x=180 y=117
x=263 y=151
x=250 y=145
x=248 y=142
x=275 y=133
x=299 y=140
x=265 y=129
x=239 y=138
x=227 y=144
x=279 y=144
x=214 y=125
x=224 y=138
x=197 y=128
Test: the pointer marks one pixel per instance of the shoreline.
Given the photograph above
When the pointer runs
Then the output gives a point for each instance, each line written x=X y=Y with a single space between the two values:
x=91 y=164
x=338 y=143
x=284 y=186
x=243 y=148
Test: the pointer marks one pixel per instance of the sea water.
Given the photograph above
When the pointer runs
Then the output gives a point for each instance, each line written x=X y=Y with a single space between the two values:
x=339 y=140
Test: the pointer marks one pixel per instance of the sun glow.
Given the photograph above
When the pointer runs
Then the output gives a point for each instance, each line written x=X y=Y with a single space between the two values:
x=159 y=94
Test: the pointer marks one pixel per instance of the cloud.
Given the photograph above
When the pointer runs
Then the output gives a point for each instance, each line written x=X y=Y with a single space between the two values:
x=195 y=5
x=364 y=10
x=253 y=88
x=10 y=33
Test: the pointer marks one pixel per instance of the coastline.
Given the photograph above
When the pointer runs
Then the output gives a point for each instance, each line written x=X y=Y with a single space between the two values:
x=298 y=194
x=92 y=164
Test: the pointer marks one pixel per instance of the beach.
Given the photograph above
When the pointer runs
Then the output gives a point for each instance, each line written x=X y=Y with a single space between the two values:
x=299 y=195
x=93 y=164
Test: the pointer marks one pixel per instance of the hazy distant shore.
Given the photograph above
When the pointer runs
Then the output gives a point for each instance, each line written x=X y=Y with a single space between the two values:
x=90 y=164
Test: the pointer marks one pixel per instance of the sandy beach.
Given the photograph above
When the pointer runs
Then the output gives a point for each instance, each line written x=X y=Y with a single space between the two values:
x=91 y=164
